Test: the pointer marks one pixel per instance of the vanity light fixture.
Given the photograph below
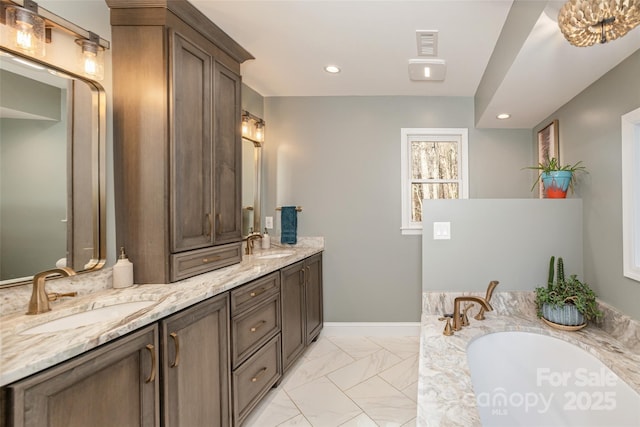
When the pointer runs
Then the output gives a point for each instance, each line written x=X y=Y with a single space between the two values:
x=332 y=69
x=90 y=59
x=253 y=128
x=587 y=22
x=503 y=116
x=26 y=29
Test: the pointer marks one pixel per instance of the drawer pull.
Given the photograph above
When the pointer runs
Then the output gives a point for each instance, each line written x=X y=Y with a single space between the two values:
x=258 y=325
x=207 y=260
x=152 y=352
x=259 y=374
x=258 y=292
x=176 y=342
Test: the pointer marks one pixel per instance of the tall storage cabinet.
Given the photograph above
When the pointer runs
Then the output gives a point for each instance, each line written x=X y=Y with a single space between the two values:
x=177 y=142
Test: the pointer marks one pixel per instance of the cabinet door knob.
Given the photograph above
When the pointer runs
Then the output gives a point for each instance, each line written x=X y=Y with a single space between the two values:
x=176 y=343
x=152 y=352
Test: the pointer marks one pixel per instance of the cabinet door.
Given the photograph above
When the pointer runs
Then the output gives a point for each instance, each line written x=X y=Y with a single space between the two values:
x=227 y=156
x=114 y=385
x=195 y=365
x=313 y=297
x=293 y=313
x=191 y=146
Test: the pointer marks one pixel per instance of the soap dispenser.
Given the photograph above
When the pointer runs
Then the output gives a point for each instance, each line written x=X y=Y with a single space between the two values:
x=266 y=240
x=122 y=272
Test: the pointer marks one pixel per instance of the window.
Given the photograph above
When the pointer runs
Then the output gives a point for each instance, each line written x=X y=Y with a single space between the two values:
x=434 y=166
x=631 y=194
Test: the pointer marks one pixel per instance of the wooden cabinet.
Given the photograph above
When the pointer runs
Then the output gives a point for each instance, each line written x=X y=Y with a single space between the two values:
x=302 y=316
x=195 y=365
x=177 y=159
x=207 y=365
x=114 y=385
x=255 y=347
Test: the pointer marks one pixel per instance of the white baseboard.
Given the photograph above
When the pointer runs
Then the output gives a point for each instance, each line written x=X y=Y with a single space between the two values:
x=372 y=329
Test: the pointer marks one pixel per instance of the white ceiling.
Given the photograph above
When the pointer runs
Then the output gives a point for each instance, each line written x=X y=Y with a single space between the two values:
x=372 y=42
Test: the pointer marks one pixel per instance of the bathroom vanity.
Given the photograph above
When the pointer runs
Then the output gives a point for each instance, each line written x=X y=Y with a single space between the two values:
x=204 y=352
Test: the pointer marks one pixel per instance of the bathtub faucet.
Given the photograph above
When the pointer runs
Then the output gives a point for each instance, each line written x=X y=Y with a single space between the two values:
x=490 y=288
x=457 y=316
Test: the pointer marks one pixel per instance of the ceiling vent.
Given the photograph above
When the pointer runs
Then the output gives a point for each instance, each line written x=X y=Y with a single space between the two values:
x=427 y=42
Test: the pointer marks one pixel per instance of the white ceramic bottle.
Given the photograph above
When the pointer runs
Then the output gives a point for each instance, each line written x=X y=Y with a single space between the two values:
x=122 y=272
x=266 y=240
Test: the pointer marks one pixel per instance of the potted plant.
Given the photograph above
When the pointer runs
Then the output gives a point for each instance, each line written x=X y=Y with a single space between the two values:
x=556 y=178
x=566 y=303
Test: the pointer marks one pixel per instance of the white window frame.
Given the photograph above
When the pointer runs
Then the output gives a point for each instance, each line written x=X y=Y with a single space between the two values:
x=631 y=194
x=407 y=135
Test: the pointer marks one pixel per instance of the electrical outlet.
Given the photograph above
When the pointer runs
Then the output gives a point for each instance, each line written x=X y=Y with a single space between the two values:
x=268 y=222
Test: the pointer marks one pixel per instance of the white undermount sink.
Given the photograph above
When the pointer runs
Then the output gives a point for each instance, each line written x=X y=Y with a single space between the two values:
x=84 y=318
x=275 y=255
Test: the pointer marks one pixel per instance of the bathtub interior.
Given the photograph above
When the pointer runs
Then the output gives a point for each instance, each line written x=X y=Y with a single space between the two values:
x=528 y=379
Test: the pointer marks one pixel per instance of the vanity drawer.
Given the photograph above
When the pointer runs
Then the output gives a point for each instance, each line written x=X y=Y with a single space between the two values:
x=254 y=378
x=253 y=328
x=192 y=263
x=253 y=293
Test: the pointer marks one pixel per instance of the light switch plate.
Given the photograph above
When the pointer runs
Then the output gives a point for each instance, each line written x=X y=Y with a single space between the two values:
x=441 y=231
x=268 y=222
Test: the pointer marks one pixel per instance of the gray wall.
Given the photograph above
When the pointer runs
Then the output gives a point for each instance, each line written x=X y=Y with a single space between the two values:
x=590 y=131
x=509 y=240
x=339 y=158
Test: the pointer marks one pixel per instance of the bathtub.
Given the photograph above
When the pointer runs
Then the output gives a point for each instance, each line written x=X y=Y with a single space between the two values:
x=528 y=379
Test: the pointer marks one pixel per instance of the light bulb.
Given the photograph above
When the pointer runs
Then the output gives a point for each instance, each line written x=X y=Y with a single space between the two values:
x=90 y=60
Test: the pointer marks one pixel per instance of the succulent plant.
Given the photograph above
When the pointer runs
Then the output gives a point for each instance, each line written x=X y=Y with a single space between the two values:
x=571 y=291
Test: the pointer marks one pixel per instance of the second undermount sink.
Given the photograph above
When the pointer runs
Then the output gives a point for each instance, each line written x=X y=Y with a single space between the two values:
x=84 y=318
x=275 y=255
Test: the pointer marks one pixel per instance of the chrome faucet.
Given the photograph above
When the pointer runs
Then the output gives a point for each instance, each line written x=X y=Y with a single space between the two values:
x=250 y=239
x=457 y=317
x=39 y=302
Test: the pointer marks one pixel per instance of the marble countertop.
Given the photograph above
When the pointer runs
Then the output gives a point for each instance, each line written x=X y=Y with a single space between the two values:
x=23 y=355
x=445 y=392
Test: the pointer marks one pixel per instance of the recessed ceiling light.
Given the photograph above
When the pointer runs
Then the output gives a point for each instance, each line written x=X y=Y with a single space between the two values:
x=332 y=69
x=503 y=116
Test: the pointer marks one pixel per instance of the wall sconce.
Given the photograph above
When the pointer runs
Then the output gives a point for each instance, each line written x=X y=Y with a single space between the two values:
x=26 y=29
x=252 y=128
x=90 y=59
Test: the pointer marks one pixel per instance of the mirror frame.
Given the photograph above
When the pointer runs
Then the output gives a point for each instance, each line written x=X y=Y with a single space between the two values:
x=98 y=174
x=256 y=224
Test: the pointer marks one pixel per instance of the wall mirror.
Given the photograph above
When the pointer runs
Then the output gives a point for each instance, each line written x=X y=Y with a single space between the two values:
x=252 y=140
x=52 y=170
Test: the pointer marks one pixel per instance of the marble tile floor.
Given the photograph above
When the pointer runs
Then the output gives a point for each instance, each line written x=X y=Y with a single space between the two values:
x=346 y=381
